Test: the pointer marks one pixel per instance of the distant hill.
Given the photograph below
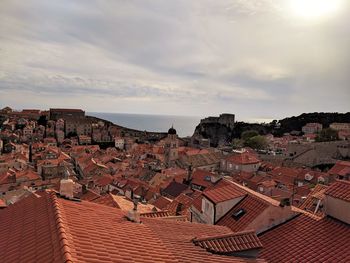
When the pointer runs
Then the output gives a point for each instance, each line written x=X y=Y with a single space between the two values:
x=220 y=134
x=295 y=123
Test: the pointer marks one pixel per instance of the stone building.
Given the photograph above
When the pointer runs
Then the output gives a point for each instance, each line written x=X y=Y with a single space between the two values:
x=225 y=119
x=56 y=114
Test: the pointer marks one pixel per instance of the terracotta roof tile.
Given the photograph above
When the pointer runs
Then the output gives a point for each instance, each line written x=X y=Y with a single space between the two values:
x=243 y=158
x=181 y=204
x=229 y=243
x=251 y=206
x=316 y=194
x=107 y=200
x=306 y=239
x=221 y=194
x=161 y=202
x=51 y=229
x=197 y=203
x=202 y=178
x=340 y=168
x=29 y=227
x=2 y=203
x=89 y=195
x=340 y=189
x=156 y=214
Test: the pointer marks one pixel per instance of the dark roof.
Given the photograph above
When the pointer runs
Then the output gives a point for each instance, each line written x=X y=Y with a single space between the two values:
x=174 y=189
x=66 y=110
x=172 y=130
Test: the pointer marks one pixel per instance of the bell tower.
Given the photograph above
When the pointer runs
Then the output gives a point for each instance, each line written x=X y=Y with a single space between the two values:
x=171 y=147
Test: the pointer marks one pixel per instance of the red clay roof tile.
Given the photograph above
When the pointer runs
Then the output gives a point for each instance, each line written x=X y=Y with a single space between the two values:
x=306 y=239
x=252 y=207
x=243 y=158
x=229 y=243
x=161 y=202
x=221 y=194
x=315 y=195
x=51 y=229
x=340 y=189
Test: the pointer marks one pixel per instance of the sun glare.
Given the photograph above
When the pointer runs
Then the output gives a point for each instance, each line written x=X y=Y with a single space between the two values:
x=314 y=9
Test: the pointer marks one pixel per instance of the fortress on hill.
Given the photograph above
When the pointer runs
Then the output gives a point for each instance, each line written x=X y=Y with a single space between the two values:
x=225 y=119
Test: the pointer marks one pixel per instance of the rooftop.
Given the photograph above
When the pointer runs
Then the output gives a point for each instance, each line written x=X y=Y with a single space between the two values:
x=229 y=243
x=52 y=229
x=307 y=239
x=340 y=190
x=244 y=158
x=221 y=194
x=251 y=206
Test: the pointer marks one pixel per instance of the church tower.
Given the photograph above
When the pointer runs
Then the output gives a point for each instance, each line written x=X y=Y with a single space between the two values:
x=171 y=147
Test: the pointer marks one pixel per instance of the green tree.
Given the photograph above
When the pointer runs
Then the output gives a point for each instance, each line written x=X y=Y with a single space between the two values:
x=237 y=143
x=246 y=135
x=327 y=135
x=257 y=142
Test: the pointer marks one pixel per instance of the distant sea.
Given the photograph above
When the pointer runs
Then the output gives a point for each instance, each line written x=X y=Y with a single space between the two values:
x=184 y=125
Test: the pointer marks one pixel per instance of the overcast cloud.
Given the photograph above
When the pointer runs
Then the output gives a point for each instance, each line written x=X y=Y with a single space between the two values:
x=192 y=57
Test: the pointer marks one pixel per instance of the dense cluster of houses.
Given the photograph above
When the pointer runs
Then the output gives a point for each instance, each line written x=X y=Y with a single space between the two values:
x=165 y=188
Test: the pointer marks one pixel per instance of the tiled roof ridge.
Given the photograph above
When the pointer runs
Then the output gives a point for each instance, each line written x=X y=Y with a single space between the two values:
x=230 y=243
x=223 y=236
x=280 y=225
x=340 y=190
x=255 y=194
x=60 y=226
x=163 y=213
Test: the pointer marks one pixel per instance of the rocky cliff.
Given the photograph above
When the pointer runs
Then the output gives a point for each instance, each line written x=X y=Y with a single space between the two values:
x=218 y=134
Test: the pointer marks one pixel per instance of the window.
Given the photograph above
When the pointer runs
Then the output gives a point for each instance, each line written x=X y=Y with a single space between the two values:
x=237 y=215
x=206 y=206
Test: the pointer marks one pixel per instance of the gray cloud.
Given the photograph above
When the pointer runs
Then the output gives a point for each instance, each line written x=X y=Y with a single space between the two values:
x=196 y=57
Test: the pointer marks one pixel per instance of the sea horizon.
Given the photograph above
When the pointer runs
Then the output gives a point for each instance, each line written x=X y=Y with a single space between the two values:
x=185 y=125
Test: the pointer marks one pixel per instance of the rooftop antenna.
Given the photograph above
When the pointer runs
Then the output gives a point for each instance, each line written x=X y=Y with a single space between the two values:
x=135 y=201
x=66 y=173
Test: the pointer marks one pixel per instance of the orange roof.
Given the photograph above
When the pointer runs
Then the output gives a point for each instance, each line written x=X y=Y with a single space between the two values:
x=28 y=174
x=221 y=194
x=229 y=243
x=182 y=203
x=58 y=230
x=340 y=190
x=340 y=168
x=251 y=206
x=161 y=202
x=90 y=195
x=243 y=158
x=2 y=203
x=202 y=178
x=317 y=193
x=306 y=239
x=107 y=200
x=156 y=214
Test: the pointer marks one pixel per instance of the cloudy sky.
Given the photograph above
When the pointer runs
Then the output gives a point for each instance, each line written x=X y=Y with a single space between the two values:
x=260 y=59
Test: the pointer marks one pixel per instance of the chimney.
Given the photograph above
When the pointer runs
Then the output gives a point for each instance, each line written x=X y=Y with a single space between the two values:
x=66 y=188
x=133 y=215
x=190 y=170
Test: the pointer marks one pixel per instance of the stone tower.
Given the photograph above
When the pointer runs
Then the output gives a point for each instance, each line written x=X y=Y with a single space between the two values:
x=171 y=147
